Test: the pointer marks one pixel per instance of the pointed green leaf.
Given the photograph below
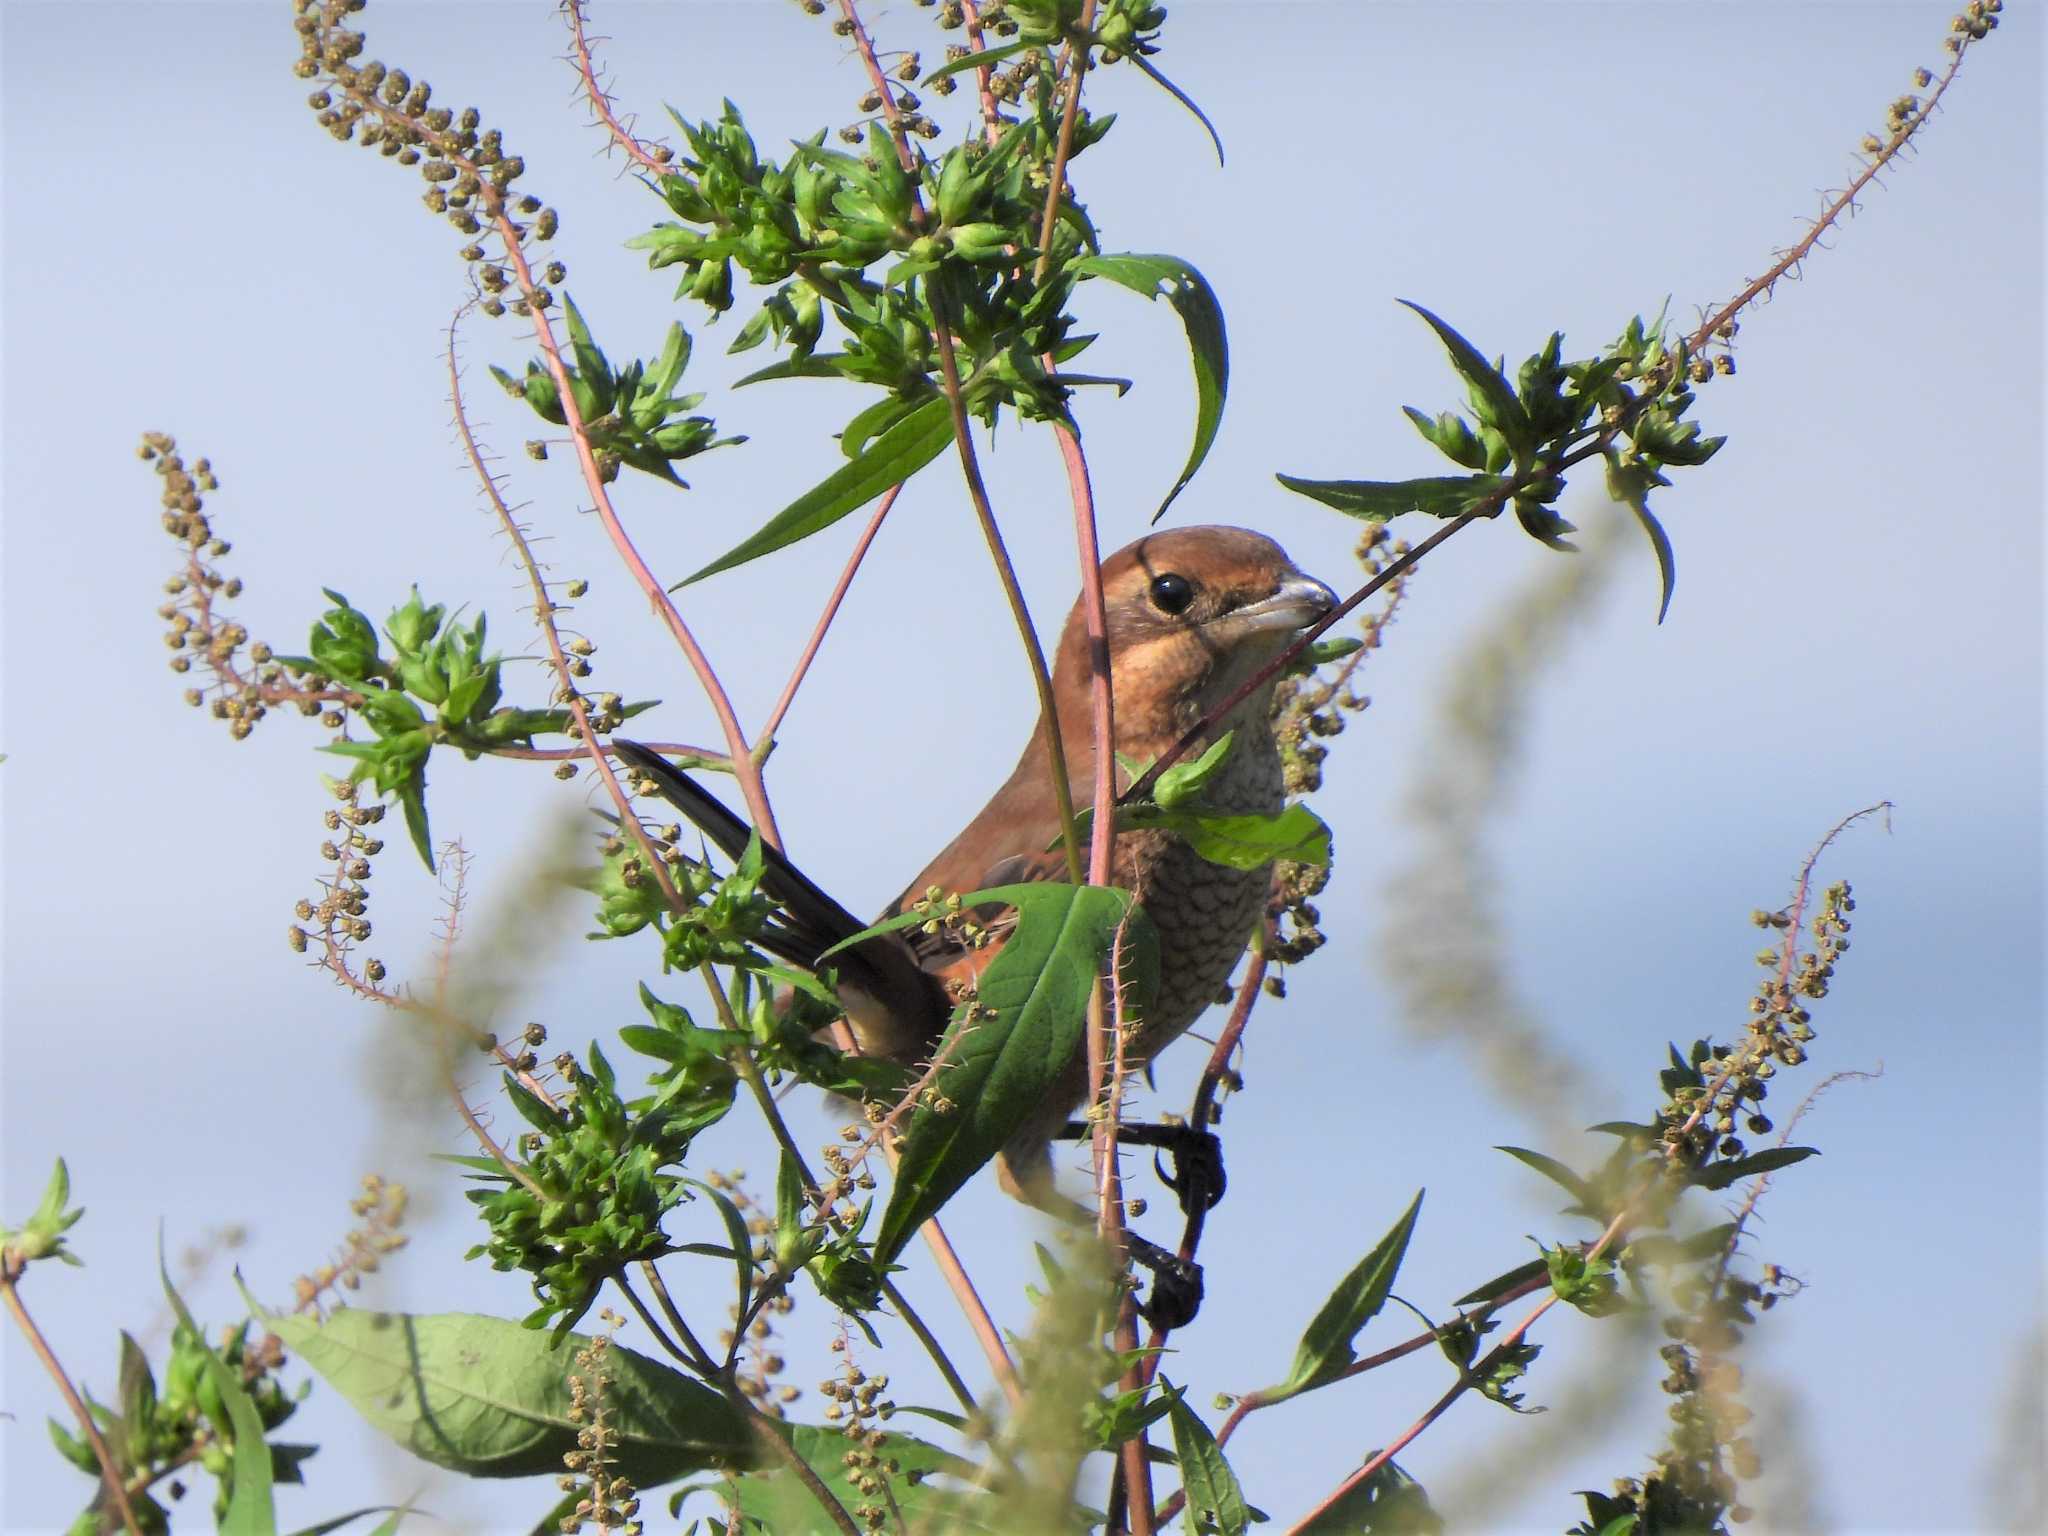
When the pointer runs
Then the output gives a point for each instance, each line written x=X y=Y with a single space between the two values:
x=1326 y=1346
x=1189 y=293
x=1493 y=396
x=1153 y=74
x=893 y=457
x=1031 y=1013
x=1630 y=485
x=1215 y=1502
x=1721 y=1175
x=250 y=1508
x=1557 y=1173
x=985 y=57
x=1389 y=1503
x=1500 y=1285
x=1378 y=500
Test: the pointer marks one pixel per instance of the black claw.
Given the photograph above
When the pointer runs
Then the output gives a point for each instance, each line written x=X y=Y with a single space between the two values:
x=1176 y=1285
x=1196 y=1176
x=1194 y=1171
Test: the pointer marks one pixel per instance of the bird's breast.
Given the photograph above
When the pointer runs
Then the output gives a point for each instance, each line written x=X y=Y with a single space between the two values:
x=1203 y=913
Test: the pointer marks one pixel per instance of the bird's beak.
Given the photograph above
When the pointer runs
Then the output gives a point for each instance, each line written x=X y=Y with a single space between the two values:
x=1299 y=602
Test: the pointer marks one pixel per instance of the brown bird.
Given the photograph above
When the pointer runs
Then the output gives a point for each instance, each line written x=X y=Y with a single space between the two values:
x=1193 y=613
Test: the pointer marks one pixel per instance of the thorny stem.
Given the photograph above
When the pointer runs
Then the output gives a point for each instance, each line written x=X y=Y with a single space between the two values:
x=758 y=1423
x=744 y=1064
x=600 y=99
x=11 y=1267
x=1041 y=676
x=1755 y=289
x=745 y=768
x=492 y=206
x=991 y=111
x=1076 y=67
x=1615 y=1228
x=1831 y=215
x=766 y=735
x=970 y=466
x=544 y=605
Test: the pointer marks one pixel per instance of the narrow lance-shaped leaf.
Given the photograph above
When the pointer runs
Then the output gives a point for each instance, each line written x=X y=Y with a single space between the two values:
x=1189 y=293
x=1493 y=396
x=1557 y=1173
x=1326 y=1345
x=1153 y=73
x=1378 y=500
x=893 y=457
x=1721 y=1175
x=1630 y=485
x=251 y=1510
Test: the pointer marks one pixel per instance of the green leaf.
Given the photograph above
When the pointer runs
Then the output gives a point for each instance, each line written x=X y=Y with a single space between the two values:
x=1183 y=783
x=250 y=1509
x=1721 y=1175
x=488 y=1398
x=1630 y=484
x=1325 y=1348
x=784 y=1506
x=1032 y=1007
x=893 y=457
x=1152 y=73
x=1236 y=840
x=1389 y=1503
x=1493 y=397
x=1378 y=500
x=977 y=60
x=1500 y=1285
x=1189 y=293
x=1215 y=1502
x=1557 y=1173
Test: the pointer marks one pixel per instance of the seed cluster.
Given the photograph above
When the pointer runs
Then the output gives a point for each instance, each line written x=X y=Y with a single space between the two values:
x=854 y=1401
x=337 y=917
x=1307 y=711
x=470 y=178
x=380 y=1210
x=244 y=677
x=607 y=1500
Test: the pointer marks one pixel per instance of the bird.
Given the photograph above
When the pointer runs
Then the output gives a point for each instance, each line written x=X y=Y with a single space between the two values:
x=1193 y=613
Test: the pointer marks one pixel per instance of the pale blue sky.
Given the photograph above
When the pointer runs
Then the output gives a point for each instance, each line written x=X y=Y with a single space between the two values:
x=1857 y=617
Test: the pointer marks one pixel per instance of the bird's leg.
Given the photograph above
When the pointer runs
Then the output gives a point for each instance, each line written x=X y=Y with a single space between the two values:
x=1176 y=1293
x=1196 y=1173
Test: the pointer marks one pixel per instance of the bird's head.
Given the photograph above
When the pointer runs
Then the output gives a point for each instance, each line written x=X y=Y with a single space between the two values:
x=1192 y=613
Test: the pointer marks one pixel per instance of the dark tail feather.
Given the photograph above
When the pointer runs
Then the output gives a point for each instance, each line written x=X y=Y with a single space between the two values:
x=815 y=921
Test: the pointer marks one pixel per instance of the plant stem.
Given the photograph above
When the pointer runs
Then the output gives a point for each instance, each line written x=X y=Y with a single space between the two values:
x=11 y=1267
x=766 y=737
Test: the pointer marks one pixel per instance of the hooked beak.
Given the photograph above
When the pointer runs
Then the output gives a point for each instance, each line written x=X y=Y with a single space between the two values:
x=1299 y=602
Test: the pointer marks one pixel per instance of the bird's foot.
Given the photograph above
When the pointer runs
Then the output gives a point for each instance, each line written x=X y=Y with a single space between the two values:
x=1194 y=1168
x=1176 y=1284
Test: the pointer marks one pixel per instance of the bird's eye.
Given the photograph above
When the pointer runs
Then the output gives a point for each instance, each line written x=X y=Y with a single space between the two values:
x=1171 y=593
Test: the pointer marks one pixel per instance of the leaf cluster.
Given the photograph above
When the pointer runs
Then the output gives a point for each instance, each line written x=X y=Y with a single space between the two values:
x=589 y=1190
x=437 y=686
x=629 y=415
x=1626 y=406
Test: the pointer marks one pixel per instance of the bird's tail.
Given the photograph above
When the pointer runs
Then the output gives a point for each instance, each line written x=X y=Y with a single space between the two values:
x=811 y=922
